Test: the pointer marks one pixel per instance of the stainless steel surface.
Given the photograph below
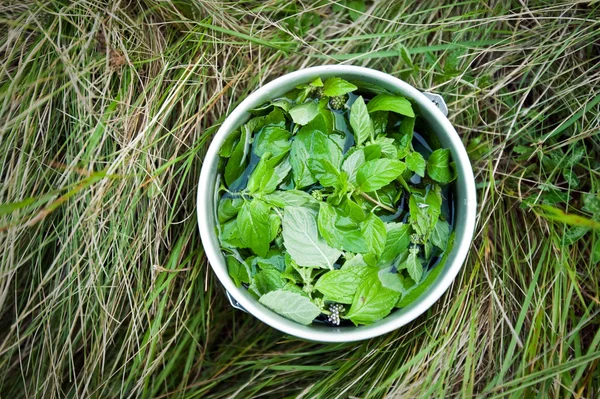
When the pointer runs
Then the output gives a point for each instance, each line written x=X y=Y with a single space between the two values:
x=438 y=101
x=234 y=303
x=465 y=204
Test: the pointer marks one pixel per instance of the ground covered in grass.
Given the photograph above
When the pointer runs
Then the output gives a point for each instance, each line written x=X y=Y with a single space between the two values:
x=106 y=110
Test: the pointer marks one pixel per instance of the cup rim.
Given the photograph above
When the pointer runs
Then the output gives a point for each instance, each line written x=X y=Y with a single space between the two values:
x=332 y=334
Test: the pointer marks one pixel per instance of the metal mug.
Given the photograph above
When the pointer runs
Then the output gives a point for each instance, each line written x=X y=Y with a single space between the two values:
x=433 y=111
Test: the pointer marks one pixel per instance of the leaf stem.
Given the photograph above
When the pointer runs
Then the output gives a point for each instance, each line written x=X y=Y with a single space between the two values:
x=373 y=200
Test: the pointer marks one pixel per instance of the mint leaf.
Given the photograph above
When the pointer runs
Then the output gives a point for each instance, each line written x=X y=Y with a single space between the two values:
x=430 y=277
x=228 y=207
x=291 y=305
x=301 y=239
x=397 y=241
x=279 y=174
x=267 y=280
x=425 y=211
x=274 y=260
x=388 y=102
x=413 y=265
x=254 y=226
x=393 y=281
x=440 y=234
x=312 y=143
x=375 y=233
x=360 y=121
x=341 y=188
x=338 y=285
x=237 y=271
x=375 y=174
x=380 y=121
x=229 y=143
x=337 y=87
x=304 y=113
x=274 y=225
x=372 y=301
x=261 y=174
x=416 y=163
x=273 y=139
x=351 y=164
x=237 y=162
x=387 y=146
x=438 y=166
x=317 y=83
x=340 y=231
x=282 y=199
x=324 y=171
x=230 y=235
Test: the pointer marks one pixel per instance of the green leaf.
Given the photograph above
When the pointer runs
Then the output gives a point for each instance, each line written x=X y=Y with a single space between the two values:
x=438 y=166
x=397 y=242
x=393 y=281
x=356 y=8
x=282 y=199
x=380 y=121
x=229 y=143
x=416 y=163
x=338 y=285
x=228 y=208
x=341 y=188
x=304 y=113
x=302 y=241
x=230 y=235
x=404 y=139
x=274 y=225
x=267 y=280
x=375 y=174
x=339 y=230
x=596 y=252
x=237 y=162
x=591 y=204
x=237 y=271
x=254 y=226
x=571 y=178
x=430 y=278
x=291 y=305
x=360 y=121
x=351 y=164
x=261 y=174
x=375 y=234
x=372 y=301
x=337 y=87
x=273 y=139
x=440 y=234
x=317 y=83
x=312 y=143
x=425 y=211
x=324 y=171
x=274 y=260
x=387 y=102
x=387 y=146
x=284 y=104
x=413 y=265
x=279 y=174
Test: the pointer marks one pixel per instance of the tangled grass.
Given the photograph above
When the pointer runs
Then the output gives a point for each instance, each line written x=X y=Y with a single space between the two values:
x=106 y=109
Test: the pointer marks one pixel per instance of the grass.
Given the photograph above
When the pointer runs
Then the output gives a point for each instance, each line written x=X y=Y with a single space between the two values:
x=106 y=109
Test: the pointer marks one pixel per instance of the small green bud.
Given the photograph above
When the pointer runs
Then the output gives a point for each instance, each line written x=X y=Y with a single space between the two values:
x=318 y=195
x=316 y=91
x=339 y=102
